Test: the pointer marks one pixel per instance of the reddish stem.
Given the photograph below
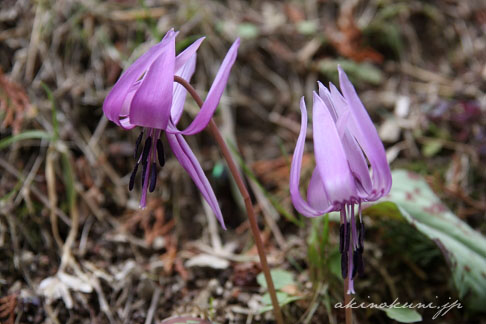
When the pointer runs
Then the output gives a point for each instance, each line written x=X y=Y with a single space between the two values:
x=348 y=311
x=246 y=197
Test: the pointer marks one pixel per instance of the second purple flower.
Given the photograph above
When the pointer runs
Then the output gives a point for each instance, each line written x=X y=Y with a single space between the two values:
x=345 y=140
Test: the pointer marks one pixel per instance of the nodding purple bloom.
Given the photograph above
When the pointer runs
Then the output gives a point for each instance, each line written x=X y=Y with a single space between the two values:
x=147 y=96
x=345 y=140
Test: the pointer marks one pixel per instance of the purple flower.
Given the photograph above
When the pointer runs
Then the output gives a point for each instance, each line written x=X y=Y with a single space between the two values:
x=147 y=96
x=345 y=140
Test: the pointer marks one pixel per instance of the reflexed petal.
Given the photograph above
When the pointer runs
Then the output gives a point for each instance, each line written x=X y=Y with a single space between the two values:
x=113 y=103
x=187 y=54
x=364 y=131
x=214 y=95
x=186 y=158
x=299 y=203
x=125 y=123
x=152 y=103
x=186 y=72
x=331 y=160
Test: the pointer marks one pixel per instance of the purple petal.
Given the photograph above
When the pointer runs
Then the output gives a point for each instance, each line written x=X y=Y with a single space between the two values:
x=364 y=131
x=185 y=66
x=316 y=192
x=186 y=158
x=113 y=103
x=210 y=104
x=354 y=153
x=185 y=72
x=326 y=97
x=330 y=157
x=358 y=165
x=125 y=123
x=299 y=203
x=187 y=54
x=152 y=103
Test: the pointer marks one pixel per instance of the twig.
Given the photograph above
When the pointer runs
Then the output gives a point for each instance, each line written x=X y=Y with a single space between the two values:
x=153 y=305
x=244 y=192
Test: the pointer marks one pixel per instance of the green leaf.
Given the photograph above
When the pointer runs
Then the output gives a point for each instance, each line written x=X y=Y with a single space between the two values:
x=463 y=248
x=281 y=278
x=68 y=174
x=385 y=34
x=218 y=170
x=282 y=298
x=403 y=315
x=334 y=263
x=31 y=134
x=357 y=72
x=431 y=148
x=185 y=320
x=313 y=255
x=247 y=30
x=184 y=43
x=325 y=232
x=307 y=27
x=55 y=124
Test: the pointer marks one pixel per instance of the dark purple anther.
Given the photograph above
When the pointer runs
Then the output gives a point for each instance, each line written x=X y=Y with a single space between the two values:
x=132 y=177
x=341 y=238
x=153 y=177
x=146 y=149
x=160 y=153
x=137 y=145
x=347 y=236
x=344 y=265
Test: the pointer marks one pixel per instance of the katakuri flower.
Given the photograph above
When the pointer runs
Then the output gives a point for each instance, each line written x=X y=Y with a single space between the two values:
x=147 y=96
x=345 y=140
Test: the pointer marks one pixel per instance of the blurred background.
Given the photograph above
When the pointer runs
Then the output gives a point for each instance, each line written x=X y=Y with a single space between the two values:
x=75 y=248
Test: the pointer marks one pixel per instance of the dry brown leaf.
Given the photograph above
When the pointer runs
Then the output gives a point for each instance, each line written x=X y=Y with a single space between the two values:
x=14 y=102
x=347 y=40
x=7 y=308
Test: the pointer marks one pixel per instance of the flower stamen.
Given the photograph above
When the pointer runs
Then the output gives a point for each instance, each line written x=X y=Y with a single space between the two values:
x=137 y=145
x=153 y=177
x=160 y=153
x=146 y=149
x=132 y=177
x=344 y=265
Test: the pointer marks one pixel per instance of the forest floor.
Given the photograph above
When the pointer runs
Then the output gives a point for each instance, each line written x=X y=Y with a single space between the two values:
x=75 y=247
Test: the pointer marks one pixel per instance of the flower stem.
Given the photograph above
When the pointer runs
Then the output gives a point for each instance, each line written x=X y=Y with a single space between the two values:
x=248 y=204
x=348 y=311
